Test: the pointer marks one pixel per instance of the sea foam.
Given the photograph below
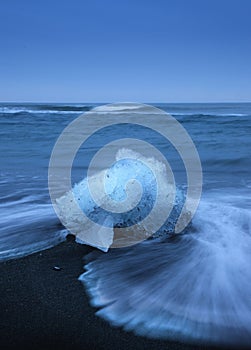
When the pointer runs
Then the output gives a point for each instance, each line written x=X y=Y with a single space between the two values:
x=193 y=287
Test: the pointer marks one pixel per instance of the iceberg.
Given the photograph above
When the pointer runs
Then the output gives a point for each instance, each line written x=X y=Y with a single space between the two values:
x=134 y=186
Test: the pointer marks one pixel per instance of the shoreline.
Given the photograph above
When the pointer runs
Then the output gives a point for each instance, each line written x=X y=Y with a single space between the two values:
x=43 y=308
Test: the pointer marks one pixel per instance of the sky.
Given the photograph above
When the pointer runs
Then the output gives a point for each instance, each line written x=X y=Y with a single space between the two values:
x=125 y=50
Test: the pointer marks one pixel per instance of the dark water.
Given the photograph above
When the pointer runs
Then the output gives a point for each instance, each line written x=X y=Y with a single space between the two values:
x=195 y=287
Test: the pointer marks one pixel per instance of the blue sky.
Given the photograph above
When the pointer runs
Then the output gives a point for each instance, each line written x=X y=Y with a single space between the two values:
x=125 y=50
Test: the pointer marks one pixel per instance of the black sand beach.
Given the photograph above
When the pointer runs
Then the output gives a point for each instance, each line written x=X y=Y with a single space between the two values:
x=46 y=309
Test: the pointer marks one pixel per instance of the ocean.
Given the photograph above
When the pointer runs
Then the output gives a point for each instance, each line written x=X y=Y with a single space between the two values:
x=194 y=286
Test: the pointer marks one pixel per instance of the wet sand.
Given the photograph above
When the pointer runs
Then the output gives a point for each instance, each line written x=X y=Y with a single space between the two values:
x=42 y=308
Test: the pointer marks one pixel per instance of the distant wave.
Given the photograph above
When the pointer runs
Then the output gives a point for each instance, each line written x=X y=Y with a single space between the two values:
x=40 y=109
x=210 y=114
x=72 y=108
x=125 y=108
x=143 y=109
